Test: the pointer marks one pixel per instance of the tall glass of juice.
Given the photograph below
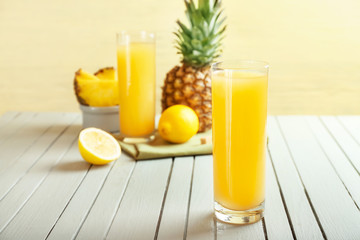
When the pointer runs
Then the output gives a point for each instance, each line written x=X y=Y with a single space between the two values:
x=136 y=79
x=239 y=101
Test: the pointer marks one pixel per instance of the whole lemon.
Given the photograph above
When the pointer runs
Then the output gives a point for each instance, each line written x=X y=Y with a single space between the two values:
x=178 y=124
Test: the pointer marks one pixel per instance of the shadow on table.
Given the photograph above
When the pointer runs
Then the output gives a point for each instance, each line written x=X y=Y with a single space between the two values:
x=75 y=166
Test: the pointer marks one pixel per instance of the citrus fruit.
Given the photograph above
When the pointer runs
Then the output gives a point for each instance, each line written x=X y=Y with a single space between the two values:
x=178 y=124
x=98 y=147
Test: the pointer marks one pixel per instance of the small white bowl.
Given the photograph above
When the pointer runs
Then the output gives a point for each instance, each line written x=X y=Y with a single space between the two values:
x=105 y=118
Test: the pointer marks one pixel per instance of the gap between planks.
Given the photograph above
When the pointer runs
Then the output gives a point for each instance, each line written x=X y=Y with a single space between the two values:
x=11 y=205
x=301 y=180
x=164 y=199
x=330 y=200
x=340 y=162
x=29 y=158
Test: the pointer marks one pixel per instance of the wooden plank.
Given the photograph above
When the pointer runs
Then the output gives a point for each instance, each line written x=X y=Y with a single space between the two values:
x=201 y=223
x=18 y=169
x=337 y=213
x=276 y=220
x=38 y=216
x=139 y=210
x=345 y=140
x=174 y=214
x=102 y=213
x=352 y=124
x=251 y=231
x=12 y=127
x=24 y=137
x=22 y=191
x=7 y=117
x=70 y=221
x=338 y=159
x=292 y=188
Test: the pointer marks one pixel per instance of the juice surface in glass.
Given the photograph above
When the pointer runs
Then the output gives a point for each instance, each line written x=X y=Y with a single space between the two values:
x=239 y=120
x=136 y=77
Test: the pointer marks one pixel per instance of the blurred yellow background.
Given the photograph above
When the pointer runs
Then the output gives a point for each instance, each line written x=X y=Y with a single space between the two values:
x=313 y=48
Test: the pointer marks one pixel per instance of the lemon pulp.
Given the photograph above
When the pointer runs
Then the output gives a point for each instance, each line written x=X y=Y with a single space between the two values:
x=98 y=147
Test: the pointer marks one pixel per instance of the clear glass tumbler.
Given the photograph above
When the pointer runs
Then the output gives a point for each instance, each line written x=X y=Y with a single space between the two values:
x=136 y=78
x=239 y=101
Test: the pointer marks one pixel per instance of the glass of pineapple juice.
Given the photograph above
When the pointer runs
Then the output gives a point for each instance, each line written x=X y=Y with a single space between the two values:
x=136 y=79
x=239 y=101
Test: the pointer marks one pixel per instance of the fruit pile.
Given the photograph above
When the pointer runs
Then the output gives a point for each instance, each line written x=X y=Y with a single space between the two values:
x=186 y=96
x=96 y=90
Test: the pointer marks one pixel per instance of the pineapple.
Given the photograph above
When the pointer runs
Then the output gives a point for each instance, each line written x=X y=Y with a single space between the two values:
x=98 y=90
x=199 y=44
x=107 y=73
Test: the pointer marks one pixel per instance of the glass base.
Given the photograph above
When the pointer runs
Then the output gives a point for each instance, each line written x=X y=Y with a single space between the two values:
x=239 y=217
x=134 y=140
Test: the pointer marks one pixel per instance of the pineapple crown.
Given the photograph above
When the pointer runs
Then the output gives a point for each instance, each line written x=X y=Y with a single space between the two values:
x=200 y=43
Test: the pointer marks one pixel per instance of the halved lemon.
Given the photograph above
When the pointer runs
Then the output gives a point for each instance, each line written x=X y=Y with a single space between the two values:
x=98 y=147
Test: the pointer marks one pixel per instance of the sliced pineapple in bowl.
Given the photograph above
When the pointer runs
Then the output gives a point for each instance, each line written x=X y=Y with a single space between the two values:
x=98 y=97
x=99 y=90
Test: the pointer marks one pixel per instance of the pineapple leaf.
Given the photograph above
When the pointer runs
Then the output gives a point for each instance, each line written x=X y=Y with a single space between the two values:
x=197 y=18
x=222 y=30
x=196 y=44
x=217 y=4
x=185 y=37
x=188 y=46
x=214 y=24
x=220 y=23
x=205 y=28
x=204 y=6
x=214 y=39
x=178 y=36
x=188 y=11
x=184 y=28
x=204 y=59
x=200 y=41
x=196 y=33
x=192 y=5
x=196 y=53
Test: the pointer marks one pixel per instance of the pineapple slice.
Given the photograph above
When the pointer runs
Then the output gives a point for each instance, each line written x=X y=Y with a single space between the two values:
x=92 y=91
x=107 y=73
x=82 y=75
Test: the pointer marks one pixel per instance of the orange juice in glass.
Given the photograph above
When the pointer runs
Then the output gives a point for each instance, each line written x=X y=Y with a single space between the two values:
x=239 y=101
x=136 y=79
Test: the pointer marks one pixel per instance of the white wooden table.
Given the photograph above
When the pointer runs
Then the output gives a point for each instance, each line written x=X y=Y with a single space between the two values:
x=48 y=192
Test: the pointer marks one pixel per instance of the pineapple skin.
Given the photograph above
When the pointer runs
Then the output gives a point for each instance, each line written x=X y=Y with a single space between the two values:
x=189 y=86
x=79 y=76
x=107 y=73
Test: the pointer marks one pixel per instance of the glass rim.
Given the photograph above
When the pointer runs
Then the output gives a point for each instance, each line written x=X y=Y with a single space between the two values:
x=135 y=33
x=239 y=64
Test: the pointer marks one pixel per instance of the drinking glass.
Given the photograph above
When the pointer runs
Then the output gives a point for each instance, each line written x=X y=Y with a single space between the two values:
x=239 y=101
x=136 y=79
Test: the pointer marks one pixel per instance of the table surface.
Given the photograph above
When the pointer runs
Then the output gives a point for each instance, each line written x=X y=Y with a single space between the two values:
x=48 y=192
